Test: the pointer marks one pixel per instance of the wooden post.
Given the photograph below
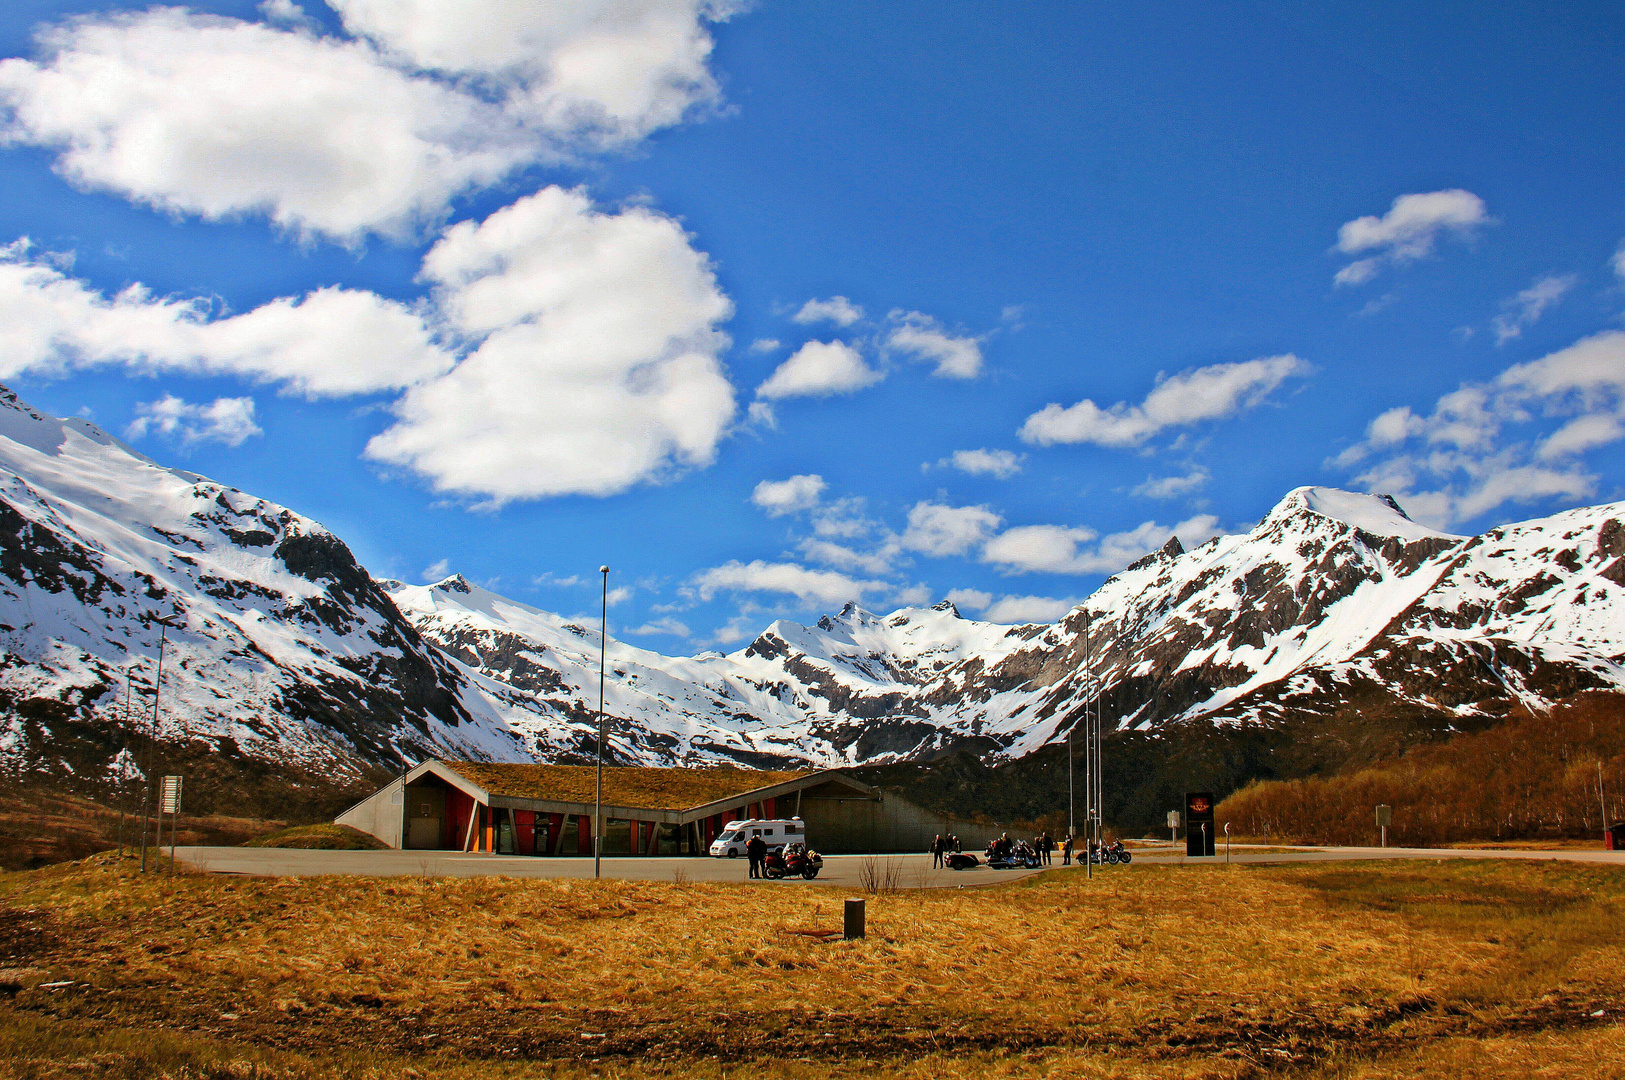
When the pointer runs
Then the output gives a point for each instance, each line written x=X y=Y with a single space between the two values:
x=853 y=927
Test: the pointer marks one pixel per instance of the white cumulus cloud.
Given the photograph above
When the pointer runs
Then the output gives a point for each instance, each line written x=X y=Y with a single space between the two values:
x=1060 y=549
x=1408 y=231
x=837 y=309
x=330 y=342
x=819 y=369
x=824 y=588
x=780 y=497
x=665 y=627
x=596 y=365
x=843 y=557
x=1002 y=464
x=969 y=599
x=937 y=529
x=218 y=117
x=1207 y=393
x=956 y=357
x=1173 y=487
x=224 y=420
x=1011 y=609
x=1028 y=609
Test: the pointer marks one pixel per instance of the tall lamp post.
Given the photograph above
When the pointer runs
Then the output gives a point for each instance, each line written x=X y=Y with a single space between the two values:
x=152 y=741
x=598 y=798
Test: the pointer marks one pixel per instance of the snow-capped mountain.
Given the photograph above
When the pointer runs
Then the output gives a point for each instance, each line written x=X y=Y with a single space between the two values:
x=836 y=692
x=282 y=648
x=285 y=651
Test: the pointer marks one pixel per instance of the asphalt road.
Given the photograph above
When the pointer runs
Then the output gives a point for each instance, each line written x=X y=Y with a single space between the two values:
x=841 y=871
x=1240 y=854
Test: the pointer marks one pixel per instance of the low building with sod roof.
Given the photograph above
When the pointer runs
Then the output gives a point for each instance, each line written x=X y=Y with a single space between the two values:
x=547 y=810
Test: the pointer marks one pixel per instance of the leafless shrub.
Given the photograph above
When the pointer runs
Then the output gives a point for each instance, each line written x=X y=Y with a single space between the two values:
x=877 y=876
x=680 y=875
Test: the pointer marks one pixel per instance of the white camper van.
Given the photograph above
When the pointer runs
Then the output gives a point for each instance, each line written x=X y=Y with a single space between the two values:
x=777 y=832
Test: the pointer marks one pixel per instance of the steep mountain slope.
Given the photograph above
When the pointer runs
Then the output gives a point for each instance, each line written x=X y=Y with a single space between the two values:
x=283 y=649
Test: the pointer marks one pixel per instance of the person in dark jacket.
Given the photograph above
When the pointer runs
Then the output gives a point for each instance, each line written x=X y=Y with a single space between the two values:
x=756 y=851
x=1066 y=851
x=938 y=846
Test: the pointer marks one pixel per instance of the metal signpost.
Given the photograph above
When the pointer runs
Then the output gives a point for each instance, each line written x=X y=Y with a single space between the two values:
x=1385 y=817
x=1173 y=826
x=152 y=745
x=598 y=799
x=169 y=802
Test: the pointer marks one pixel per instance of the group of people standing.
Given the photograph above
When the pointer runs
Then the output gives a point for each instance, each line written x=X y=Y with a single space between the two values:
x=942 y=847
x=1043 y=846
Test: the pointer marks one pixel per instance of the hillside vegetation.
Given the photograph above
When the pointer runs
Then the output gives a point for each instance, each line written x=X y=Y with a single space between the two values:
x=320 y=838
x=1533 y=776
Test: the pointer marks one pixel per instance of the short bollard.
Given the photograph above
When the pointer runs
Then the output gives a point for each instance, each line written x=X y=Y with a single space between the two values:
x=854 y=919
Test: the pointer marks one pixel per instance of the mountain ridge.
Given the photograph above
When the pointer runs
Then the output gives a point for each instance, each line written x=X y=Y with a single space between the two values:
x=289 y=653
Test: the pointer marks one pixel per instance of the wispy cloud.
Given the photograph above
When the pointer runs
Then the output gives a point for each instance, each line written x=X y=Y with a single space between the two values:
x=1525 y=309
x=1457 y=461
x=1207 y=393
x=1408 y=231
x=223 y=420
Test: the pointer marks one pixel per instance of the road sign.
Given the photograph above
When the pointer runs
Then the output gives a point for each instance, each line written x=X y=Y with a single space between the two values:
x=1385 y=815
x=169 y=795
x=1173 y=819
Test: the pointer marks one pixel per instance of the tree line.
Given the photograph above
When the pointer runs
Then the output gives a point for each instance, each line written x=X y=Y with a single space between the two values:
x=1538 y=774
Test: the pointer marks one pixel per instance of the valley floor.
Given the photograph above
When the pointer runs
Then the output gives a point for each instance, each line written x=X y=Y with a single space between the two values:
x=1354 y=970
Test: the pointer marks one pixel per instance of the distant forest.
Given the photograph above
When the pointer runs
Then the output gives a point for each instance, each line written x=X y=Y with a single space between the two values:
x=1317 y=778
x=1532 y=776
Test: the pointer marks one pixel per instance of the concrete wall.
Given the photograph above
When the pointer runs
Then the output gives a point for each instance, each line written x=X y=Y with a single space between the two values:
x=380 y=814
x=841 y=820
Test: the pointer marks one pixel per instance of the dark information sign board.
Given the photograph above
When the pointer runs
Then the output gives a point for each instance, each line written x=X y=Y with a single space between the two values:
x=1199 y=839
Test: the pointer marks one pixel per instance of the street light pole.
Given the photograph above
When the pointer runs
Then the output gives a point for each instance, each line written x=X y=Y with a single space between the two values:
x=598 y=798
x=152 y=742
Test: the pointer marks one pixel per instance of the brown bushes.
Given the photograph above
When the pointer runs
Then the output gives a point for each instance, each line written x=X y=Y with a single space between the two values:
x=1531 y=777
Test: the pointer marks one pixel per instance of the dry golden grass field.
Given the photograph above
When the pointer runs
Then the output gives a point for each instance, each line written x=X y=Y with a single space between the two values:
x=1458 y=969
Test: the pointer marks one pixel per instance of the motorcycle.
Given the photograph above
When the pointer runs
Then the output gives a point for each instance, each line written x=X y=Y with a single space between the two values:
x=792 y=860
x=1111 y=854
x=962 y=860
x=1020 y=857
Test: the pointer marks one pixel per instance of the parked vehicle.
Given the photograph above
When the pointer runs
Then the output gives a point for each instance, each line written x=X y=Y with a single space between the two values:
x=775 y=832
x=1021 y=856
x=1111 y=854
x=793 y=860
x=962 y=860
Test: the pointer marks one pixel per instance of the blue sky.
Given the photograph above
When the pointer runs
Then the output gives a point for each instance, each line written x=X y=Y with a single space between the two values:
x=770 y=307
